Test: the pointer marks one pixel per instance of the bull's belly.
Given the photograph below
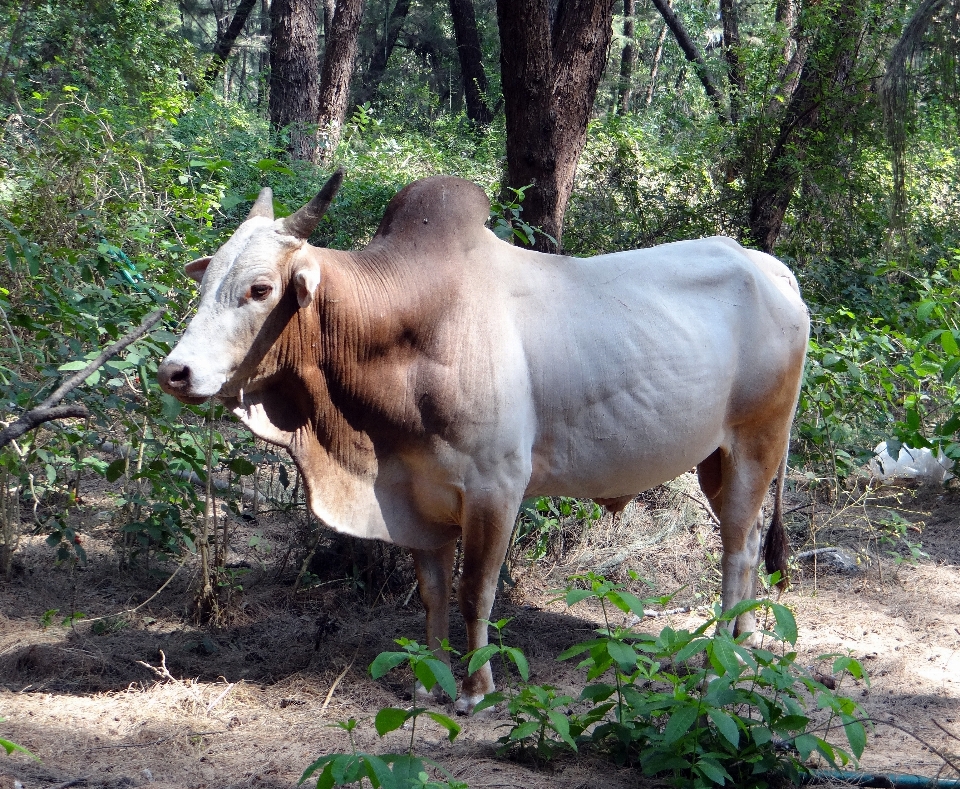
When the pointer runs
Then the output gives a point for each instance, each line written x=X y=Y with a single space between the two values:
x=620 y=466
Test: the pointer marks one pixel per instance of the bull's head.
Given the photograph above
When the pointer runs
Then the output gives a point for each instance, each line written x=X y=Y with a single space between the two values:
x=242 y=284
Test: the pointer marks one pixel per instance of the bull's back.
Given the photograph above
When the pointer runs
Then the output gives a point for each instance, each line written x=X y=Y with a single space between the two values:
x=636 y=360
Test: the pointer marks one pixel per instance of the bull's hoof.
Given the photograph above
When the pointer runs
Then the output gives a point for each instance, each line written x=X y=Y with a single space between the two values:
x=465 y=703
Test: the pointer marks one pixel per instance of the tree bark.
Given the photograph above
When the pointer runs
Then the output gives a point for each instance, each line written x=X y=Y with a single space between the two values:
x=692 y=53
x=820 y=93
x=329 y=9
x=655 y=65
x=293 y=74
x=338 y=62
x=471 y=61
x=381 y=53
x=628 y=56
x=731 y=51
x=550 y=79
x=224 y=45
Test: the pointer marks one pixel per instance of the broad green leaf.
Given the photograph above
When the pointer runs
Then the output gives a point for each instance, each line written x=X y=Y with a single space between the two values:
x=574 y=596
x=679 y=724
x=805 y=745
x=524 y=730
x=786 y=628
x=432 y=671
x=73 y=366
x=116 y=469
x=481 y=656
x=627 y=602
x=723 y=657
x=386 y=661
x=623 y=654
x=712 y=770
x=726 y=725
x=520 y=661
x=856 y=734
x=379 y=772
x=949 y=344
x=452 y=727
x=561 y=725
x=390 y=719
x=242 y=466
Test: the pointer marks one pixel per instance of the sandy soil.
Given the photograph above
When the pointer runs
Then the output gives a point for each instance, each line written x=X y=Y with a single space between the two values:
x=144 y=697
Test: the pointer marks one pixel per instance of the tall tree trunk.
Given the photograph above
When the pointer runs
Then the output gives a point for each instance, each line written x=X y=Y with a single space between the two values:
x=731 y=51
x=655 y=65
x=628 y=57
x=224 y=45
x=293 y=73
x=819 y=101
x=338 y=61
x=329 y=9
x=692 y=53
x=471 y=61
x=263 y=85
x=381 y=53
x=550 y=80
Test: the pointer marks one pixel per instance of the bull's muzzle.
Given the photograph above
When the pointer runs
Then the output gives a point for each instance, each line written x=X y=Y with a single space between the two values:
x=175 y=379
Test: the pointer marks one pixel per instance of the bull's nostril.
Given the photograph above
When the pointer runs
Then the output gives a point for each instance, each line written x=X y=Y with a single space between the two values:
x=174 y=377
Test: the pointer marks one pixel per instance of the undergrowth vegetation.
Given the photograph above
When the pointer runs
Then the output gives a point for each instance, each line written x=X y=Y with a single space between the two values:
x=117 y=168
x=696 y=708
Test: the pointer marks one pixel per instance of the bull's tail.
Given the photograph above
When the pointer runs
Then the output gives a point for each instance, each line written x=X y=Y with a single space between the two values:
x=776 y=549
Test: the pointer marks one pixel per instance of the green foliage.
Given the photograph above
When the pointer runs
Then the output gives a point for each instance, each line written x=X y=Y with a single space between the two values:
x=392 y=770
x=701 y=710
x=891 y=376
x=540 y=522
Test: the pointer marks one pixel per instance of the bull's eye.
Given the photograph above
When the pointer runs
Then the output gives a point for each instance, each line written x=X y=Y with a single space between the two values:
x=260 y=291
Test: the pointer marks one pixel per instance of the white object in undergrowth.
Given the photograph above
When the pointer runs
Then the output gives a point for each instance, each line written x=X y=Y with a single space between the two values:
x=919 y=464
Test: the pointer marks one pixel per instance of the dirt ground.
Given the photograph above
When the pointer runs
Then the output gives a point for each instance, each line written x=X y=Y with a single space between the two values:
x=136 y=694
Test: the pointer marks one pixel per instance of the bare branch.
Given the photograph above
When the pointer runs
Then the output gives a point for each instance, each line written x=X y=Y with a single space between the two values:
x=693 y=55
x=48 y=410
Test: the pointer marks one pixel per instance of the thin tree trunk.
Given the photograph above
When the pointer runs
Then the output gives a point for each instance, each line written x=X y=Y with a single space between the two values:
x=655 y=65
x=293 y=74
x=329 y=9
x=224 y=45
x=628 y=57
x=471 y=61
x=821 y=89
x=381 y=53
x=338 y=62
x=692 y=53
x=731 y=51
x=550 y=80
x=263 y=71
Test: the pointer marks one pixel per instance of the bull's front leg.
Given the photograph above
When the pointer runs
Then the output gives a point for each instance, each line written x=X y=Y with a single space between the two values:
x=435 y=580
x=486 y=537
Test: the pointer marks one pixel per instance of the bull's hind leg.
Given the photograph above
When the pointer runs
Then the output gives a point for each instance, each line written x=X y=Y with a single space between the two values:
x=746 y=470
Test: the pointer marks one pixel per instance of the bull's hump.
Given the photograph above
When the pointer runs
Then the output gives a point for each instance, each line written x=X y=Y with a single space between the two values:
x=435 y=211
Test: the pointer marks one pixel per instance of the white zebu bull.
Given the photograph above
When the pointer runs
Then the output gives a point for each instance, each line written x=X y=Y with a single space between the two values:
x=428 y=383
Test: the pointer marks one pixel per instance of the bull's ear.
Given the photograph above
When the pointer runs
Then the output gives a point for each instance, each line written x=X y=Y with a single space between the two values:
x=306 y=279
x=196 y=268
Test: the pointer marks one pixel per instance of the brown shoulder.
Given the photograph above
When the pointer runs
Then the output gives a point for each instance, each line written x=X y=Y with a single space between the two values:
x=441 y=205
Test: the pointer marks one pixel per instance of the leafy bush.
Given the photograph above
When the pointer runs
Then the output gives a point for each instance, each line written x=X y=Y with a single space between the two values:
x=703 y=710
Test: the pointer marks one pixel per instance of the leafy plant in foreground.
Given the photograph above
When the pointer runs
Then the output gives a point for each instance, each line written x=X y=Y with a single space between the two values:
x=393 y=770
x=709 y=710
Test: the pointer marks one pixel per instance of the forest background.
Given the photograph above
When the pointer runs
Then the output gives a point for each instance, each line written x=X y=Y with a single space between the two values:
x=136 y=134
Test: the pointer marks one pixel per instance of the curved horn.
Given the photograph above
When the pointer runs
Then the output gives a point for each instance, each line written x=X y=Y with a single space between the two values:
x=264 y=205
x=305 y=220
